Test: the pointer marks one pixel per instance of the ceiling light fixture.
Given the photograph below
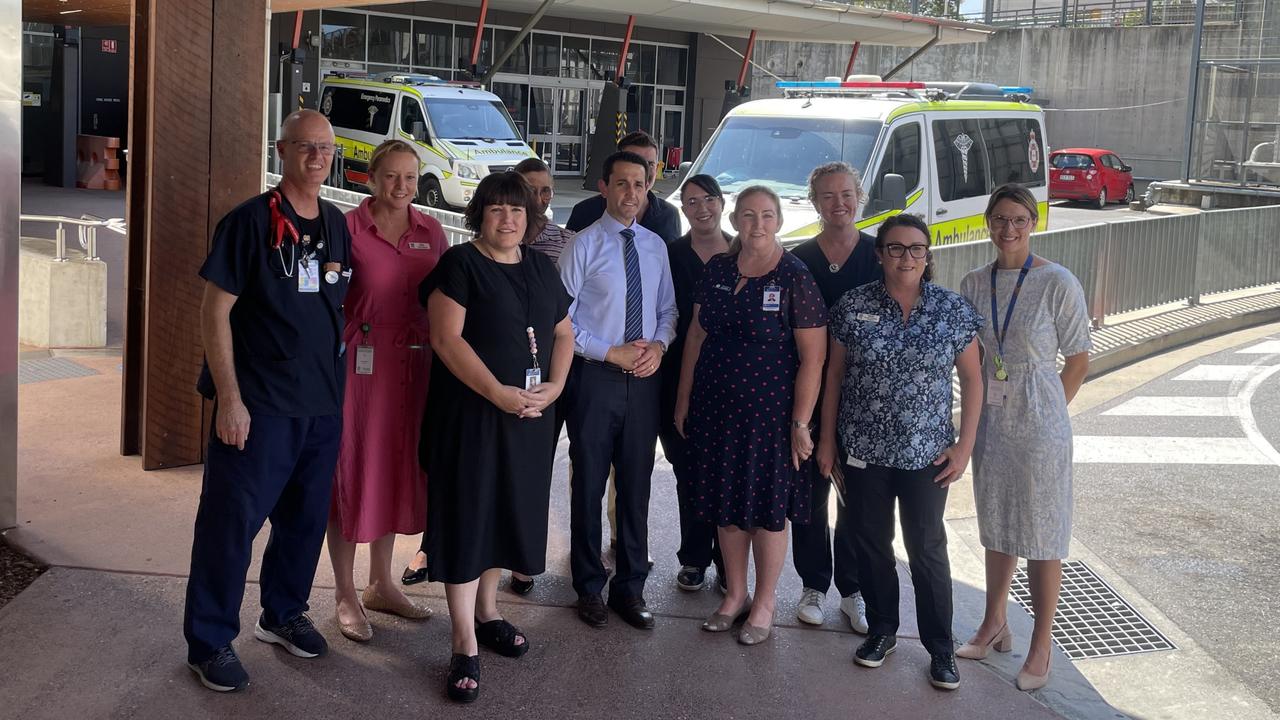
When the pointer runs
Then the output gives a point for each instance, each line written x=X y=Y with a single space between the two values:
x=68 y=12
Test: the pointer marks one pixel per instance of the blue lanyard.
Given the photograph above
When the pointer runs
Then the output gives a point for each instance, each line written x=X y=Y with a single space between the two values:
x=1008 y=314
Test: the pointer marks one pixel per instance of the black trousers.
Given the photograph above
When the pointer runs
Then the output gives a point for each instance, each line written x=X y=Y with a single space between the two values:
x=284 y=473
x=699 y=541
x=811 y=547
x=871 y=494
x=613 y=422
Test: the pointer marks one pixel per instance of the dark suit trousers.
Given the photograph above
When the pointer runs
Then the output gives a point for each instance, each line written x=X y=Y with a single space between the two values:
x=811 y=548
x=699 y=541
x=612 y=419
x=284 y=473
x=871 y=494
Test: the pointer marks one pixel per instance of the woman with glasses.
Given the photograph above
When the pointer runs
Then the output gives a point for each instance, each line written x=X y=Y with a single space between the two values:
x=748 y=387
x=893 y=346
x=841 y=258
x=702 y=203
x=1022 y=456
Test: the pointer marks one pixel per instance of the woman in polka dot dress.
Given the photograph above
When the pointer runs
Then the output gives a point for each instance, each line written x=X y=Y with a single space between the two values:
x=752 y=366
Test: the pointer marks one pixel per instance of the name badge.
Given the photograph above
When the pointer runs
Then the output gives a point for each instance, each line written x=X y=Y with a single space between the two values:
x=996 y=392
x=856 y=463
x=724 y=288
x=308 y=276
x=868 y=317
x=772 y=298
x=532 y=376
x=364 y=359
x=419 y=246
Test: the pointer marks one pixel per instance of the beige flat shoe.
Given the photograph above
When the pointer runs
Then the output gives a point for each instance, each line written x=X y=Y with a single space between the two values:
x=752 y=635
x=413 y=611
x=360 y=631
x=724 y=623
x=1002 y=642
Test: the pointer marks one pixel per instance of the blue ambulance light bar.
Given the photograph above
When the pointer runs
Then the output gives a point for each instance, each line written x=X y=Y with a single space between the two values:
x=1016 y=90
x=838 y=85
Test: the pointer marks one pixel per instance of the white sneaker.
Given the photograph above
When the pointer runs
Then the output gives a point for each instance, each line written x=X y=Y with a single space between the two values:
x=855 y=608
x=809 y=610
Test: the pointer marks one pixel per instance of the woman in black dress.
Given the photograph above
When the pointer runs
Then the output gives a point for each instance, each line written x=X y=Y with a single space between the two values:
x=752 y=365
x=503 y=343
x=702 y=203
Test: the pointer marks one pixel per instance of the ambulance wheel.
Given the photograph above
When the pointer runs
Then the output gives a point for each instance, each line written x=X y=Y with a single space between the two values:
x=430 y=194
x=1102 y=199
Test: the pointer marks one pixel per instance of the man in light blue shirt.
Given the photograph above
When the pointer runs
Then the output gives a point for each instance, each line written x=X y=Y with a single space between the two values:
x=624 y=316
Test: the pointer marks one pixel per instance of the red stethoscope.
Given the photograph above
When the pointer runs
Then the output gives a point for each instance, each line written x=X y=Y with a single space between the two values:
x=280 y=227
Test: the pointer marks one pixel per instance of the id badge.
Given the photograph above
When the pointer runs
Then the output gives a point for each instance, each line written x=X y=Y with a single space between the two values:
x=308 y=277
x=856 y=463
x=532 y=376
x=996 y=391
x=867 y=317
x=364 y=359
x=419 y=246
x=772 y=298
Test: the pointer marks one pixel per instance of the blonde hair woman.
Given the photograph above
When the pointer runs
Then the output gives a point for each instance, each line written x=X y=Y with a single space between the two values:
x=748 y=385
x=378 y=490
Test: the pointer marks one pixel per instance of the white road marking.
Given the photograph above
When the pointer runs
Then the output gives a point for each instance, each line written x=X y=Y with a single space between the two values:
x=1268 y=347
x=1131 y=450
x=1175 y=407
x=1222 y=373
x=1244 y=401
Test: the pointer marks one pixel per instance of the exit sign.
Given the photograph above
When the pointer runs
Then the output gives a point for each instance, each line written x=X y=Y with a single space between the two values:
x=110 y=46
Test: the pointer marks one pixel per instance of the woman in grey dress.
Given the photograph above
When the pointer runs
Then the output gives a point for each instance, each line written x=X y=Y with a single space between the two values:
x=1022 y=458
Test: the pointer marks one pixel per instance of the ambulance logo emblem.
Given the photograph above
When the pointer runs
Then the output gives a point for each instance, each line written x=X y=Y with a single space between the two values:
x=963 y=143
x=1033 y=153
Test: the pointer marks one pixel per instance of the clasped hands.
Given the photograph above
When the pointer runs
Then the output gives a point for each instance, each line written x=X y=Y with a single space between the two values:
x=641 y=358
x=527 y=403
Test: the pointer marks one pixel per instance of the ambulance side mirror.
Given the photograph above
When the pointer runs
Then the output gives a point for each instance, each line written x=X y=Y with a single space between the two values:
x=893 y=192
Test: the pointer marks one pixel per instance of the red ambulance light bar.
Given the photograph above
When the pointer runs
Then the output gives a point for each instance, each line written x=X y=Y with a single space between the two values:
x=861 y=85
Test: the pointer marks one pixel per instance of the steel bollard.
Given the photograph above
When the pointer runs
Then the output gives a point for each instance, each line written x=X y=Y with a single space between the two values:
x=92 y=250
x=60 y=244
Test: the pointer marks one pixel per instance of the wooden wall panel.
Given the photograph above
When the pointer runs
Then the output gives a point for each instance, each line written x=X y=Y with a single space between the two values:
x=204 y=104
x=136 y=220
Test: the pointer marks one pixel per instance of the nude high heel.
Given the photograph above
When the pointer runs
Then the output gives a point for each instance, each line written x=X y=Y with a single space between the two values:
x=1001 y=642
x=1028 y=682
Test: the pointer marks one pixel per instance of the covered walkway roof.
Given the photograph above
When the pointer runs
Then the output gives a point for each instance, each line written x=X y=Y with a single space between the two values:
x=803 y=20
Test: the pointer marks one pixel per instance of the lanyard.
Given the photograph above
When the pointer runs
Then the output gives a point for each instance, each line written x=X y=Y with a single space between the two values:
x=1000 y=333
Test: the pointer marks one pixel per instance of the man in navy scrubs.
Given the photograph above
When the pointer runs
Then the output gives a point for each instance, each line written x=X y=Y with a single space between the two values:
x=271 y=321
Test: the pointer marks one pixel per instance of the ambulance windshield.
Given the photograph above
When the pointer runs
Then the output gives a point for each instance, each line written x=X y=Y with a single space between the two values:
x=470 y=119
x=780 y=152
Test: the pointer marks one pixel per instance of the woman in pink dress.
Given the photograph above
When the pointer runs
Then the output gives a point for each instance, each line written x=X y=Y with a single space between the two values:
x=379 y=490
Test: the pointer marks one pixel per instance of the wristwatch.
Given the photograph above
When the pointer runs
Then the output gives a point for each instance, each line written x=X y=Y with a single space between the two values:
x=799 y=425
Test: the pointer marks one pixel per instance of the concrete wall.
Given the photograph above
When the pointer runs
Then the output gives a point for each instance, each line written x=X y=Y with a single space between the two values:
x=62 y=304
x=1087 y=79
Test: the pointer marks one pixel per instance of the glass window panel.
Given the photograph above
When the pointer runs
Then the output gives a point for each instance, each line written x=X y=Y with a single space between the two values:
x=342 y=35
x=431 y=44
x=576 y=57
x=604 y=58
x=358 y=109
x=648 y=60
x=640 y=108
x=515 y=98
x=571 y=112
x=671 y=63
x=546 y=54
x=1008 y=142
x=463 y=40
x=542 y=106
x=412 y=121
x=389 y=40
x=901 y=157
x=519 y=60
x=568 y=157
x=962 y=159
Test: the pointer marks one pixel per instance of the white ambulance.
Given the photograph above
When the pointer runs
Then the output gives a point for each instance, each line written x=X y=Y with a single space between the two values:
x=461 y=132
x=935 y=150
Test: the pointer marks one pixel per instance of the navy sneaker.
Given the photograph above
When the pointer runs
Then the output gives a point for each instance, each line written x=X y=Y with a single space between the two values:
x=876 y=648
x=221 y=672
x=298 y=636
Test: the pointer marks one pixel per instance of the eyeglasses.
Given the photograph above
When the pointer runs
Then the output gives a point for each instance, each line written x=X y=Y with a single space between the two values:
x=897 y=250
x=310 y=148
x=693 y=202
x=1020 y=223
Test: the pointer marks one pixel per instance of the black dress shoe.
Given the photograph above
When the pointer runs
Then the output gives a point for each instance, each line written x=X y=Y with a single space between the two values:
x=942 y=672
x=874 y=650
x=521 y=587
x=633 y=610
x=591 y=610
x=413 y=577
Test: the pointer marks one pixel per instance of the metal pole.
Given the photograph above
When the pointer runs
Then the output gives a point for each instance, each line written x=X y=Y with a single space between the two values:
x=626 y=47
x=519 y=38
x=937 y=35
x=1150 y=12
x=853 y=55
x=10 y=192
x=1064 y=13
x=93 y=243
x=1192 y=89
x=475 y=44
x=60 y=244
x=1244 y=129
x=746 y=58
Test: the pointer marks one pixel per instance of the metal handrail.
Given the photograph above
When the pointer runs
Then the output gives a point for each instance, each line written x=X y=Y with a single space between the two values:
x=86 y=227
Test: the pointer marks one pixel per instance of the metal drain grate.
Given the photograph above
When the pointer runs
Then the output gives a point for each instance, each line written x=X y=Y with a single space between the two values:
x=55 y=368
x=1093 y=620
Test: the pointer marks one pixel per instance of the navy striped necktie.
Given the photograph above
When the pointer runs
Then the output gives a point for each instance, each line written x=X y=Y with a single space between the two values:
x=635 y=294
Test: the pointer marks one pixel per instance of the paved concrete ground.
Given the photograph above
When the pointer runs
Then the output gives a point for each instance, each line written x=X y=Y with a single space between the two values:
x=100 y=634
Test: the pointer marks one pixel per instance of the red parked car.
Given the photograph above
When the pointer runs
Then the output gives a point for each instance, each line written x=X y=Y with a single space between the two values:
x=1089 y=174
